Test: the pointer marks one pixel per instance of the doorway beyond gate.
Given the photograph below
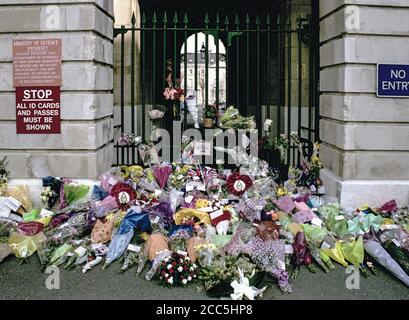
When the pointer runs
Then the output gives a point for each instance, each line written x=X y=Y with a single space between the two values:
x=265 y=64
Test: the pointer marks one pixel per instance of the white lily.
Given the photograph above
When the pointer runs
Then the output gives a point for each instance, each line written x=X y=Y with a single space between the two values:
x=242 y=289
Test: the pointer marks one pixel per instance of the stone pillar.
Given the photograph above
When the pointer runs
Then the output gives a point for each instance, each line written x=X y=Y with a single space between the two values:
x=365 y=145
x=84 y=149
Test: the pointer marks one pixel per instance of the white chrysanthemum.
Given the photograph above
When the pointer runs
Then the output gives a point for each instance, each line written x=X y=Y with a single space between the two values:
x=180 y=269
x=184 y=281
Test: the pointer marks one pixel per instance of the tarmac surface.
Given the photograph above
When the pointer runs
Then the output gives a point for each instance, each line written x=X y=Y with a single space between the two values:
x=26 y=282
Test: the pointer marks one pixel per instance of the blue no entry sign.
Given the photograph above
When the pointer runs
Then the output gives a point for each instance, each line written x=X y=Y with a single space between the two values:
x=393 y=80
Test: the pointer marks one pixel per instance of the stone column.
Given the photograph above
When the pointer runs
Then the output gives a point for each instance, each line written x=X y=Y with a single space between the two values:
x=84 y=149
x=365 y=145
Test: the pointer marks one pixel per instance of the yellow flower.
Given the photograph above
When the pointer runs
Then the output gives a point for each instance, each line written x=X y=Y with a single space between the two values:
x=281 y=191
x=364 y=207
x=202 y=216
x=202 y=203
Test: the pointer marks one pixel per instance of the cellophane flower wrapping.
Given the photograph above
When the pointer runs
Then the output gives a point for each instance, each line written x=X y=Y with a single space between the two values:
x=162 y=173
x=164 y=211
x=335 y=253
x=232 y=119
x=377 y=252
x=75 y=192
x=24 y=246
x=398 y=254
x=354 y=251
x=118 y=245
x=300 y=248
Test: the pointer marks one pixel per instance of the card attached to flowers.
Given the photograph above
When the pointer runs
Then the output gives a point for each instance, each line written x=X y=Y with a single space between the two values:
x=195 y=185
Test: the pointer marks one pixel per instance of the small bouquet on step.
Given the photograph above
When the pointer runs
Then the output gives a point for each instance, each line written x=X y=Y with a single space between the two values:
x=176 y=270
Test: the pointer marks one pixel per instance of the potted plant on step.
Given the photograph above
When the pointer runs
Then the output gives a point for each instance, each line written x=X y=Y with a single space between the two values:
x=210 y=113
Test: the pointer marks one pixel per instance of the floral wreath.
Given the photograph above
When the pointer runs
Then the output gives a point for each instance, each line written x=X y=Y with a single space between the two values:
x=238 y=184
x=176 y=270
x=124 y=194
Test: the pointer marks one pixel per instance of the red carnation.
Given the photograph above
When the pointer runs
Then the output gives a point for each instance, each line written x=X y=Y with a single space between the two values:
x=171 y=271
x=174 y=264
x=185 y=268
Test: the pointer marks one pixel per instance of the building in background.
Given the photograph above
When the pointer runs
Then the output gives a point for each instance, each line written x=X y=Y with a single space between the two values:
x=364 y=137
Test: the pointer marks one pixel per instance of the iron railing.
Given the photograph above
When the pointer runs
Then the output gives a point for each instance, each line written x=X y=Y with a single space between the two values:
x=263 y=58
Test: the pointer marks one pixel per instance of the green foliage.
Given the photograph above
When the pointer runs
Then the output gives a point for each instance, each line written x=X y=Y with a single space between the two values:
x=3 y=166
x=211 y=112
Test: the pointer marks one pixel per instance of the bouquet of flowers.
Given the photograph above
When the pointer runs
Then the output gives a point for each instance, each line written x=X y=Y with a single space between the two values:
x=205 y=253
x=176 y=270
x=224 y=269
x=3 y=176
x=50 y=191
x=278 y=144
x=179 y=176
x=233 y=119
x=129 y=139
x=173 y=94
x=242 y=288
x=310 y=167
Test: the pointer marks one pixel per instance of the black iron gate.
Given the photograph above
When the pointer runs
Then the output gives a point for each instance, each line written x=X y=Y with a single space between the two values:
x=271 y=71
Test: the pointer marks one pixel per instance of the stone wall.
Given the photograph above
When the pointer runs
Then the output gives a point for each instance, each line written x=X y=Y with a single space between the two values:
x=84 y=147
x=365 y=138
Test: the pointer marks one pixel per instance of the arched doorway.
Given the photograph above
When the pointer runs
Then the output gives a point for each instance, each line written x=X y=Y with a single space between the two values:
x=210 y=88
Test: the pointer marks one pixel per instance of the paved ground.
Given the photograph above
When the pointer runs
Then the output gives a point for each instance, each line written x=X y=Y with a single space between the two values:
x=26 y=282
